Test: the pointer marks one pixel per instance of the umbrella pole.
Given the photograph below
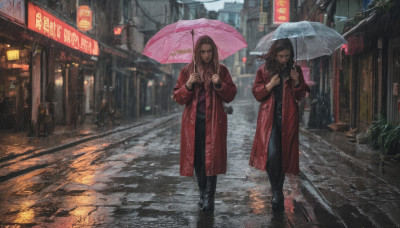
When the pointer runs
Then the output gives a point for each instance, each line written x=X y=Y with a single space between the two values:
x=295 y=63
x=194 y=59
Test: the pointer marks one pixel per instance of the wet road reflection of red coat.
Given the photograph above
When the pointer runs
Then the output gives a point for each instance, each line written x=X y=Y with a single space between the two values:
x=216 y=122
x=290 y=121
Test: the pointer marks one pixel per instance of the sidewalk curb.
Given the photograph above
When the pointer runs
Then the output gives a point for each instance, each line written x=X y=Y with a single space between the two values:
x=303 y=175
x=85 y=139
x=357 y=162
x=44 y=151
x=89 y=138
x=343 y=154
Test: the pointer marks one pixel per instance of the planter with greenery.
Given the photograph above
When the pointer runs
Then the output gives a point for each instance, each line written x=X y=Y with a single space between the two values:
x=375 y=130
x=391 y=142
x=385 y=136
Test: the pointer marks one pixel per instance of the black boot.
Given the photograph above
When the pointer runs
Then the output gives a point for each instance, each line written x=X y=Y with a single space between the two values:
x=278 y=198
x=201 y=182
x=201 y=200
x=208 y=204
x=276 y=182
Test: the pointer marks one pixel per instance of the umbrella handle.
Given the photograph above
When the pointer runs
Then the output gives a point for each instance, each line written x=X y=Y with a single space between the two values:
x=194 y=59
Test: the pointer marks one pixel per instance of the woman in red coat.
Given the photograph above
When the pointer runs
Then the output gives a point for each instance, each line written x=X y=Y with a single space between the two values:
x=204 y=121
x=279 y=87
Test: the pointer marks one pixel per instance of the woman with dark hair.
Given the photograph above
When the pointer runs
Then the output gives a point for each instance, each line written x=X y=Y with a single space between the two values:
x=203 y=86
x=279 y=86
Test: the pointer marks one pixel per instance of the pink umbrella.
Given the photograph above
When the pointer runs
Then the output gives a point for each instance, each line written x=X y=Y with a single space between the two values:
x=174 y=43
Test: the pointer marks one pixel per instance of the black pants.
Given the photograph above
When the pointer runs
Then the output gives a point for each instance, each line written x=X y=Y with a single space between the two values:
x=199 y=154
x=274 y=159
x=207 y=184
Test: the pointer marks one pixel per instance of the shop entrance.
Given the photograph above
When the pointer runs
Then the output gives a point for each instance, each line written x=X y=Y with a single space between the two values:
x=14 y=87
x=393 y=105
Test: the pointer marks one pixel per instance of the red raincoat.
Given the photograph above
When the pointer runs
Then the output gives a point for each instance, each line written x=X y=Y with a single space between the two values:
x=216 y=122
x=290 y=121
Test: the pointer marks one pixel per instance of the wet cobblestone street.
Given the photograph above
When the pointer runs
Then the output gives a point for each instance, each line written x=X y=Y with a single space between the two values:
x=131 y=179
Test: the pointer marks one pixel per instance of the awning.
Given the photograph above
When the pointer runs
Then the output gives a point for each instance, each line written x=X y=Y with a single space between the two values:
x=110 y=50
x=360 y=25
x=121 y=71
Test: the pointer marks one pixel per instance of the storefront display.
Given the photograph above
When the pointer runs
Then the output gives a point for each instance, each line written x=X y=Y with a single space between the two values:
x=14 y=85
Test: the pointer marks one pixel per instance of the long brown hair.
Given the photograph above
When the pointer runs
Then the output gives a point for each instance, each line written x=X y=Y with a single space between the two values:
x=271 y=63
x=214 y=64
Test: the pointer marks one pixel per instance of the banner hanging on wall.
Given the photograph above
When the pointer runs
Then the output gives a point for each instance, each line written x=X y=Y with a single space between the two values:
x=46 y=24
x=281 y=11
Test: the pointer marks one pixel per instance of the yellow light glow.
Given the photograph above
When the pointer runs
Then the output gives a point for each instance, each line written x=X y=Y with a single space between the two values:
x=257 y=202
x=59 y=82
x=26 y=214
x=12 y=55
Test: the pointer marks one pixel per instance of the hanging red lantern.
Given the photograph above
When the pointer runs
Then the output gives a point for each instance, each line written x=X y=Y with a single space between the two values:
x=355 y=44
x=84 y=18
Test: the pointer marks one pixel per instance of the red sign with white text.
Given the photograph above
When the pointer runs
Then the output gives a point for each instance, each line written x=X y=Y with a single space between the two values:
x=281 y=11
x=46 y=24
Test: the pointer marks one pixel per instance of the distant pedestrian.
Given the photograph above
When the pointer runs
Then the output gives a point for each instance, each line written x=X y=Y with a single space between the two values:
x=279 y=87
x=202 y=87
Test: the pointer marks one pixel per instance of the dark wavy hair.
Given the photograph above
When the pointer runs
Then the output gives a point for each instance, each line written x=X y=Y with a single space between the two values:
x=271 y=63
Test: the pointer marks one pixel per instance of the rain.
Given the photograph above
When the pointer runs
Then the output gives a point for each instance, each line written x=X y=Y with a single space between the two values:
x=93 y=116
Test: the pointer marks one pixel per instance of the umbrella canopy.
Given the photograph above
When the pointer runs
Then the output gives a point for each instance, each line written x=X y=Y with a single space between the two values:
x=174 y=43
x=310 y=39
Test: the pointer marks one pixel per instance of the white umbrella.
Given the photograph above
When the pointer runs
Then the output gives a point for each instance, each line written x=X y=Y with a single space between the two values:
x=310 y=39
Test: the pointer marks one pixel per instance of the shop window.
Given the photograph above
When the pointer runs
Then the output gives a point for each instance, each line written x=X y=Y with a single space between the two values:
x=89 y=94
x=58 y=99
x=14 y=86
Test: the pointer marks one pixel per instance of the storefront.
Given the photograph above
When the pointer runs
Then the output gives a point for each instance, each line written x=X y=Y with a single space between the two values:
x=68 y=59
x=71 y=86
x=393 y=101
x=14 y=67
x=14 y=85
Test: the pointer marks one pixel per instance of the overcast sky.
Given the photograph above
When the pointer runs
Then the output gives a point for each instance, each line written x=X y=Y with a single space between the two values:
x=217 y=5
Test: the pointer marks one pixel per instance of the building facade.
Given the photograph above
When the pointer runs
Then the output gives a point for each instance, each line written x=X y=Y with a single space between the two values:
x=61 y=60
x=359 y=81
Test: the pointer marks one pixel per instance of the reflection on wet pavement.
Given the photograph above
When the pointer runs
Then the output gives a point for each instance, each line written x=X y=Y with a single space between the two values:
x=137 y=184
x=355 y=193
